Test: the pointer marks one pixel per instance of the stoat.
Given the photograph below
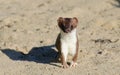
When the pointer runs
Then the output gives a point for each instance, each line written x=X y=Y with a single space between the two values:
x=67 y=40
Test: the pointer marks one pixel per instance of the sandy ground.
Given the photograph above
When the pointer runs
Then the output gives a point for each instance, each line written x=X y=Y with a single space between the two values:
x=28 y=30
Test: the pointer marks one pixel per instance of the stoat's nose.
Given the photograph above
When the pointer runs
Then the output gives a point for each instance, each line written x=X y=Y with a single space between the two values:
x=68 y=30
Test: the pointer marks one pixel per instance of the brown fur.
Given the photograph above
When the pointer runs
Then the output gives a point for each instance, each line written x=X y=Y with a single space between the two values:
x=66 y=25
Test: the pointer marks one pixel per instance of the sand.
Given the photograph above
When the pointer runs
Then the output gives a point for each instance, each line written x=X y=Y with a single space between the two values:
x=28 y=30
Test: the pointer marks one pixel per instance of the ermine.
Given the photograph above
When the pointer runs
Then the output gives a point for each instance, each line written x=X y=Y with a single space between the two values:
x=67 y=40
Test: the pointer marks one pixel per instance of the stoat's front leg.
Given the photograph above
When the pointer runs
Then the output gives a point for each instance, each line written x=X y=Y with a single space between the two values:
x=74 y=60
x=64 y=53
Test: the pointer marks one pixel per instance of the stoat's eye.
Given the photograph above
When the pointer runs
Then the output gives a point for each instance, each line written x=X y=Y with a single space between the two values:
x=71 y=27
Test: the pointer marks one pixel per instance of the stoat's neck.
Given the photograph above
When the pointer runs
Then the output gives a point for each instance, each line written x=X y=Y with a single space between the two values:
x=71 y=34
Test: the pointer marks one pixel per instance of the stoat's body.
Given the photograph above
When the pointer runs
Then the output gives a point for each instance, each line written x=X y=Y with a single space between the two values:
x=67 y=41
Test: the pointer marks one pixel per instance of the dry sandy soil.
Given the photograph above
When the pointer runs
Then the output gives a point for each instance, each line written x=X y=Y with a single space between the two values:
x=28 y=30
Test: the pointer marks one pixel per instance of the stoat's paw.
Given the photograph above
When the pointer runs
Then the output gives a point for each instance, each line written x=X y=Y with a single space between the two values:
x=65 y=65
x=73 y=64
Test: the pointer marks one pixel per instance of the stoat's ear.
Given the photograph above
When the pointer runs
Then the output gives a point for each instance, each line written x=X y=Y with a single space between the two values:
x=60 y=20
x=75 y=20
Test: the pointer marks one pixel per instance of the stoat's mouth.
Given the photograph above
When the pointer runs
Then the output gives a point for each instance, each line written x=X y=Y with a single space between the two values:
x=67 y=31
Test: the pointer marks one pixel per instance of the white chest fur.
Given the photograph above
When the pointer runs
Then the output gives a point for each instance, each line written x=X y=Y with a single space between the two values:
x=68 y=43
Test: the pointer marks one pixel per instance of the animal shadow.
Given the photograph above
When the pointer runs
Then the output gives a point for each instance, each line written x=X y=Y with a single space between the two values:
x=117 y=5
x=45 y=54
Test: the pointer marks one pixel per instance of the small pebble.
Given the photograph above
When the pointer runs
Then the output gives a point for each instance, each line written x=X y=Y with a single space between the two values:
x=41 y=41
x=37 y=29
x=100 y=52
x=14 y=30
x=80 y=50
x=40 y=5
x=9 y=26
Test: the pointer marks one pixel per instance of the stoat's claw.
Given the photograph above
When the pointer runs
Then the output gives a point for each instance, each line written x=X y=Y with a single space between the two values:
x=73 y=64
x=65 y=65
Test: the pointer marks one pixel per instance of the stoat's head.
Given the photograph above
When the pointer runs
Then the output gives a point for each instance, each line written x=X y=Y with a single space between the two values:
x=67 y=24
